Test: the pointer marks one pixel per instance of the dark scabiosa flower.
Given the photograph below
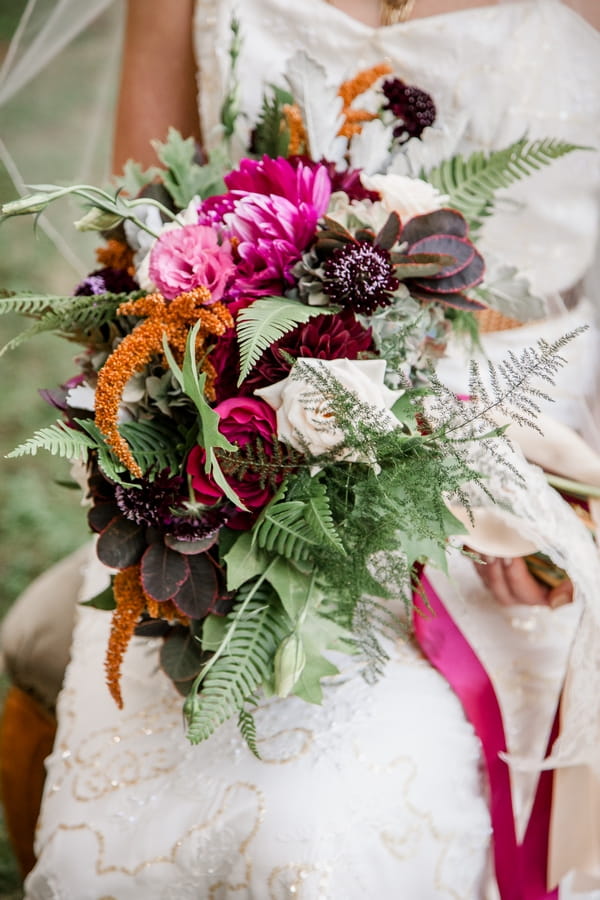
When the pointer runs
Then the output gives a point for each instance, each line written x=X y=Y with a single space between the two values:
x=151 y=503
x=202 y=526
x=415 y=108
x=107 y=280
x=360 y=276
x=160 y=504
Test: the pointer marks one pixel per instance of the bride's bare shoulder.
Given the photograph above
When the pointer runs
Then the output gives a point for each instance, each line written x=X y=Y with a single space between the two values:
x=589 y=9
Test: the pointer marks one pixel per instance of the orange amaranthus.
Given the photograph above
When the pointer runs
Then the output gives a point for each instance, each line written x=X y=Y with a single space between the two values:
x=354 y=118
x=173 y=319
x=293 y=119
x=116 y=255
x=131 y=601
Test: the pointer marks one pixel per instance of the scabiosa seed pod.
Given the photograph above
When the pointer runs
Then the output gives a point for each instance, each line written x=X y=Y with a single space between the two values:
x=360 y=276
x=414 y=107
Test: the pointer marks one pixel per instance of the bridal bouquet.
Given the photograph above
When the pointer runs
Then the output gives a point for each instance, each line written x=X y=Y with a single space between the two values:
x=251 y=398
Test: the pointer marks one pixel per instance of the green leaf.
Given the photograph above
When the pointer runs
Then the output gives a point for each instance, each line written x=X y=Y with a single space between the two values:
x=184 y=179
x=210 y=438
x=243 y=561
x=282 y=528
x=265 y=321
x=214 y=629
x=104 y=600
x=318 y=634
x=319 y=517
x=63 y=315
x=181 y=655
x=271 y=135
x=134 y=177
x=238 y=672
x=295 y=588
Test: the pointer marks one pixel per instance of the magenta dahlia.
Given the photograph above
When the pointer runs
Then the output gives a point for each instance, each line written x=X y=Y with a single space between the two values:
x=270 y=213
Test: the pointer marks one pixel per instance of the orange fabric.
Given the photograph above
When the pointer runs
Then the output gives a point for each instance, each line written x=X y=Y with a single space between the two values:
x=27 y=733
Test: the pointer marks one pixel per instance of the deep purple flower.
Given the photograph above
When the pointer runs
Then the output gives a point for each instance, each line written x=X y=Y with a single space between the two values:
x=415 y=108
x=360 y=276
x=107 y=280
x=152 y=502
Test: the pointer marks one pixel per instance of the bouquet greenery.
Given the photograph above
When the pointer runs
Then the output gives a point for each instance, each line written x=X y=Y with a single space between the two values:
x=268 y=453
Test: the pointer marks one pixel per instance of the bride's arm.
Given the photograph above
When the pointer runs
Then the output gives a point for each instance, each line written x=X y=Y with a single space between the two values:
x=589 y=9
x=158 y=79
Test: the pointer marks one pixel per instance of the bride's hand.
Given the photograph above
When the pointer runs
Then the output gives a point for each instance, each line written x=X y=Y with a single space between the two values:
x=510 y=582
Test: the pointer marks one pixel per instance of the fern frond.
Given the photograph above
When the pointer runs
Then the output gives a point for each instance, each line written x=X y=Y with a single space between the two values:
x=153 y=444
x=27 y=303
x=241 y=670
x=247 y=727
x=58 y=439
x=319 y=518
x=283 y=529
x=68 y=315
x=267 y=320
x=472 y=183
x=271 y=135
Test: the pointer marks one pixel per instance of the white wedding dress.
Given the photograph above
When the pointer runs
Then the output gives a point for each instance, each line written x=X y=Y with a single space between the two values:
x=379 y=792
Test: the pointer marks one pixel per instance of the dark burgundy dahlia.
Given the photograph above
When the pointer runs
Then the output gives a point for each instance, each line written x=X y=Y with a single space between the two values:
x=413 y=107
x=338 y=336
x=360 y=276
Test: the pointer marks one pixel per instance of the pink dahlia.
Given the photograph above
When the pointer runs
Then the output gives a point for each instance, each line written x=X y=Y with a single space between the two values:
x=189 y=257
x=243 y=420
x=276 y=207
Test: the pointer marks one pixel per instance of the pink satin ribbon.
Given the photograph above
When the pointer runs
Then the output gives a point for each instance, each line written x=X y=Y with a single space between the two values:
x=520 y=868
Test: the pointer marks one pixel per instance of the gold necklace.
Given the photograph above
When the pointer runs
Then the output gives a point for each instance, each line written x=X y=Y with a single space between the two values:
x=393 y=11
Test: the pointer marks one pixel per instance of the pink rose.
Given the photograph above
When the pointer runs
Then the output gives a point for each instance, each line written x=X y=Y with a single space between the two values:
x=242 y=421
x=189 y=257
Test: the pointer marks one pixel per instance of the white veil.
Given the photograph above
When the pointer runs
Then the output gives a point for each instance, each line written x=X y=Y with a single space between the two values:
x=50 y=60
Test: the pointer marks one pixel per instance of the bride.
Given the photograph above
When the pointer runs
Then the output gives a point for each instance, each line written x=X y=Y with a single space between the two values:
x=381 y=791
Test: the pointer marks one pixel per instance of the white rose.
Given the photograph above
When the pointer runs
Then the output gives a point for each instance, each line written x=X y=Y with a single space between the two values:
x=304 y=416
x=409 y=197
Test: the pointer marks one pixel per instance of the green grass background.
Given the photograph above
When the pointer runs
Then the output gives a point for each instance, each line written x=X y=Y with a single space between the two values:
x=40 y=521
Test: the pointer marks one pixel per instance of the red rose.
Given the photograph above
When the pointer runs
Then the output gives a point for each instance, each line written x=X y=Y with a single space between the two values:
x=243 y=420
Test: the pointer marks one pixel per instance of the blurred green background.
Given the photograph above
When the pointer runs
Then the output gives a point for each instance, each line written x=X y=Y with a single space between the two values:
x=41 y=521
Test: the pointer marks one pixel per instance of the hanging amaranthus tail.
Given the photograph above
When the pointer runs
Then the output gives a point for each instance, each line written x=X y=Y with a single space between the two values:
x=172 y=319
x=130 y=600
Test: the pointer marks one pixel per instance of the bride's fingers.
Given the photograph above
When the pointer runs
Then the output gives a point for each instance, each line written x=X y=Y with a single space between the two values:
x=522 y=585
x=492 y=572
x=561 y=594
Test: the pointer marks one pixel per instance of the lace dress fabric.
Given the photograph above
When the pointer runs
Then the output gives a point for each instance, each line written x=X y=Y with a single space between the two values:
x=379 y=791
